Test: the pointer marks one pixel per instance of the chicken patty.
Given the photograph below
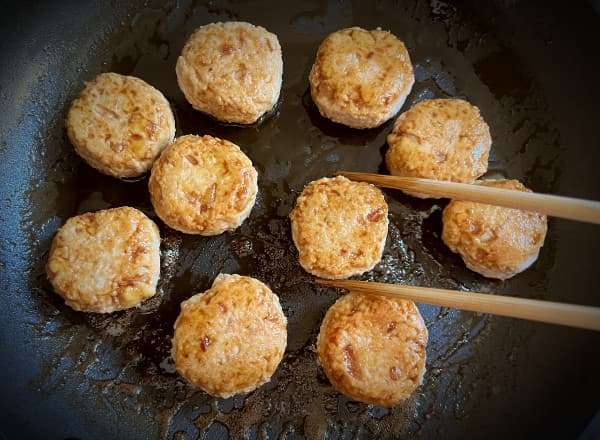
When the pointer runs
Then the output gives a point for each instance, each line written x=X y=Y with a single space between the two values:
x=372 y=348
x=231 y=338
x=120 y=124
x=361 y=78
x=106 y=260
x=203 y=185
x=494 y=241
x=339 y=227
x=232 y=71
x=440 y=139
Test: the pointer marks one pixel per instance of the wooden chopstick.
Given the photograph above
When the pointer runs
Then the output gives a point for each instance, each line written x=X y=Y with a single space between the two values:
x=557 y=206
x=535 y=310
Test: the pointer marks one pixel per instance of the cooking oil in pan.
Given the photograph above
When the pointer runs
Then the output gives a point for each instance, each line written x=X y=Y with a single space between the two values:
x=122 y=362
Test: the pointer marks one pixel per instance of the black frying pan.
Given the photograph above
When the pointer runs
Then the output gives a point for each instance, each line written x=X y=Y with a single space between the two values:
x=531 y=67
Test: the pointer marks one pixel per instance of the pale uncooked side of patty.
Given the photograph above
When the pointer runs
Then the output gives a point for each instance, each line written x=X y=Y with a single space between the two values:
x=105 y=261
x=361 y=78
x=339 y=227
x=372 y=348
x=440 y=139
x=232 y=71
x=119 y=125
x=494 y=241
x=203 y=185
x=231 y=338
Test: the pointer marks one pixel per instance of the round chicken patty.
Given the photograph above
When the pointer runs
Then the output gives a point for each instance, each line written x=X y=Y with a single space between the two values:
x=105 y=261
x=339 y=227
x=231 y=338
x=494 y=241
x=372 y=348
x=120 y=124
x=232 y=71
x=361 y=78
x=440 y=139
x=203 y=185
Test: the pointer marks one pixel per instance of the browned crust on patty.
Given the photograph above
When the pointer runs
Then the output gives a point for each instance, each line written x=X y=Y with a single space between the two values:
x=119 y=125
x=339 y=227
x=203 y=185
x=231 y=338
x=494 y=241
x=106 y=260
x=361 y=78
x=441 y=139
x=232 y=71
x=372 y=348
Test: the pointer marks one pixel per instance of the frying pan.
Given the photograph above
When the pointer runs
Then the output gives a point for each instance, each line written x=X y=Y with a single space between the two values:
x=532 y=69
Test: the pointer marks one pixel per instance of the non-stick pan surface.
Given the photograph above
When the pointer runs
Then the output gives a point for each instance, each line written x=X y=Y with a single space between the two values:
x=530 y=67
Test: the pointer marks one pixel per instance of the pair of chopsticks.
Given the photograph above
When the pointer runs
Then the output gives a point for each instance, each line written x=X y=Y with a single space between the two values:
x=556 y=206
x=535 y=310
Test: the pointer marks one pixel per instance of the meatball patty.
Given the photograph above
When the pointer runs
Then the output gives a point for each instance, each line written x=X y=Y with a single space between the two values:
x=106 y=260
x=440 y=139
x=232 y=71
x=372 y=348
x=361 y=78
x=494 y=241
x=203 y=185
x=339 y=227
x=120 y=124
x=231 y=338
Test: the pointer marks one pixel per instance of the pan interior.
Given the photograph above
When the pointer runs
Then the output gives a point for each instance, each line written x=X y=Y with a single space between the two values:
x=112 y=376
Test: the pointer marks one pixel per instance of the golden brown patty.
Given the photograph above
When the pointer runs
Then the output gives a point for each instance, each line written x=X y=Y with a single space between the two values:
x=494 y=241
x=231 y=71
x=361 y=78
x=372 y=348
x=231 y=338
x=105 y=261
x=339 y=227
x=203 y=185
x=120 y=124
x=441 y=139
